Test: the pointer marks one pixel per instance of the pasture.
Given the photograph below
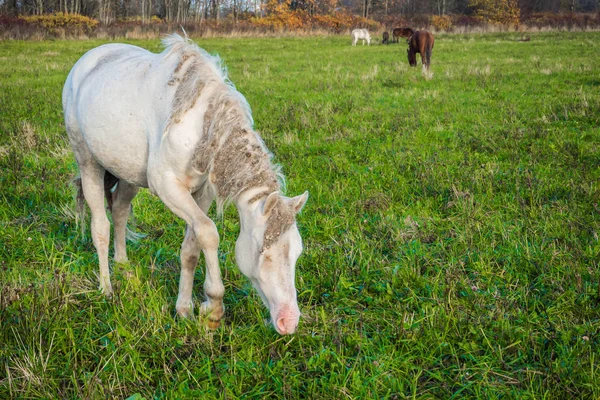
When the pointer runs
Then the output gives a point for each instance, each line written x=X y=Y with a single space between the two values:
x=451 y=233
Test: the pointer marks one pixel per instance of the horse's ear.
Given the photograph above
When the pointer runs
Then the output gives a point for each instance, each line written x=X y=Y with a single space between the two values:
x=299 y=201
x=270 y=202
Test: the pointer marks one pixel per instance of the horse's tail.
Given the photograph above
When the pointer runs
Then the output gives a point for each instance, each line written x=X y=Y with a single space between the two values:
x=428 y=56
x=110 y=185
x=430 y=43
x=80 y=213
x=110 y=181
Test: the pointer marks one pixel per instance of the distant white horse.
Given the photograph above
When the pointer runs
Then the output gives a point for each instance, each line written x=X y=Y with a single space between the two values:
x=173 y=122
x=361 y=34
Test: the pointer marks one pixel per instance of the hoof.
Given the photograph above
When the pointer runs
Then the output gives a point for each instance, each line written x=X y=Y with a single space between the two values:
x=212 y=325
x=106 y=289
x=213 y=315
x=185 y=311
x=121 y=260
x=216 y=313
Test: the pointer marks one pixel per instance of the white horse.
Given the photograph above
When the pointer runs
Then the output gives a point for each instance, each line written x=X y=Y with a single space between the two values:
x=174 y=123
x=361 y=34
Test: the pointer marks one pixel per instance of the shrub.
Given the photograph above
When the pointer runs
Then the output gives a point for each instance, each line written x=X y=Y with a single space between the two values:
x=420 y=21
x=417 y=21
x=58 y=22
x=562 y=20
x=391 y=22
x=333 y=22
x=466 y=21
x=291 y=20
x=502 y=12
x=281 y=18
x=360 y=22
x=17 y=28
x=441 y=23
x=139 y=20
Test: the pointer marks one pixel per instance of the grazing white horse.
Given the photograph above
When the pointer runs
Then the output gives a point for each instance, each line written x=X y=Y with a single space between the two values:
x=361 y=34
x=174 y=123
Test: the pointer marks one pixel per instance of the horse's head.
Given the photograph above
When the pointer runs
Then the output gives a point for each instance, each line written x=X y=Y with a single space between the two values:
x=266 y=252
x=412 y=57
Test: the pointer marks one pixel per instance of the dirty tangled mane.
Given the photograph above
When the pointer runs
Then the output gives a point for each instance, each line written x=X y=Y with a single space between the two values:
x=229 y=150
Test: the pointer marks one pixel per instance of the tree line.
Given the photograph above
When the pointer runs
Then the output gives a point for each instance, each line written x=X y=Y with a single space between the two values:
x=186 y=11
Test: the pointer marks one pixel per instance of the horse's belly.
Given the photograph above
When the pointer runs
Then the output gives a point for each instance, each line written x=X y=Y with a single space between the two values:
x=121 y=149
x=115 y=132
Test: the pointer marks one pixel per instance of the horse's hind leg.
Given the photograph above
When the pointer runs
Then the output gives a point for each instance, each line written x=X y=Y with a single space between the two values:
x=423 y=52
x=121 y=207
x=92 y=182
x=428 y=57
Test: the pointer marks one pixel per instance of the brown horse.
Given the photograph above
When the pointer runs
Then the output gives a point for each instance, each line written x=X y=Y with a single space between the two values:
x=386 y=38
x=401 y=32
x=420 y=42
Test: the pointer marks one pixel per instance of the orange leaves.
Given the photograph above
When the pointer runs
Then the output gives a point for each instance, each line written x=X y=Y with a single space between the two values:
x=284 y=19
x=497 y=11
x=289 y=15
x=281 y=17
x=62 y=20
x=441 y=22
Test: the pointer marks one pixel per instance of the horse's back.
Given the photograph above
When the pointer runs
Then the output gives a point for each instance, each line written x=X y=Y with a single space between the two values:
x=423 y=39
x=106 y=100
x=101 y=63
x=429 y=39
x=360 y=33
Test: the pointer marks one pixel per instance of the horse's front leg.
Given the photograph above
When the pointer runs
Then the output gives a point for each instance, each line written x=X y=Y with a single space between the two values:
x=201 y=234
x=190 y=251
x=213 y=284
x=214 y=290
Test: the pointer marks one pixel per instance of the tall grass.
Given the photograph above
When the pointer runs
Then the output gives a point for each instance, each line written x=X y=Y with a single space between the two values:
x=451 y=235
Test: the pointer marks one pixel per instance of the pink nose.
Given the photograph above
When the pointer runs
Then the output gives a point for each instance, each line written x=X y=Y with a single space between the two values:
x=287 y=320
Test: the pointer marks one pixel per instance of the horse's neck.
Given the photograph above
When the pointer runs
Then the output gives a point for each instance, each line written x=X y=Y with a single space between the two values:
x=242 y=165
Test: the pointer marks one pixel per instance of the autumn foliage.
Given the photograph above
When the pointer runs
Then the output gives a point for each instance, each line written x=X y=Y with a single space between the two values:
x=442 y=22
x=502 y=12
x=52 y=22
x=281 y=16
x=286 y=16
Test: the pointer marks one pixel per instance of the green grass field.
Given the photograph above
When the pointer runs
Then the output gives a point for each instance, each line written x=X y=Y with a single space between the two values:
x=451 y=234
